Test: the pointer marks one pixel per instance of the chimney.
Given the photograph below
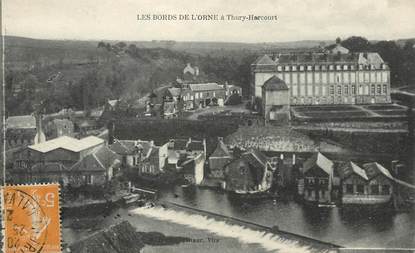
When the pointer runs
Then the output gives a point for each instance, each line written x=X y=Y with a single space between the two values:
x=40 y=136
x=394 y=167
x=110 y=127
x=204 y=147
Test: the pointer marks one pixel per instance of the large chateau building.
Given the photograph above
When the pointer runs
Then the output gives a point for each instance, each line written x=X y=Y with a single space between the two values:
x=334 y=76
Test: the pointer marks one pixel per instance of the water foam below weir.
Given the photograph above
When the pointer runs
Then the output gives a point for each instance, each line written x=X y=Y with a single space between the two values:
x=268 y=241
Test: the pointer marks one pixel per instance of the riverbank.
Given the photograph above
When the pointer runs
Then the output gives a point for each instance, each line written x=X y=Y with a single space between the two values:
x=205 y=232
x=199 y=240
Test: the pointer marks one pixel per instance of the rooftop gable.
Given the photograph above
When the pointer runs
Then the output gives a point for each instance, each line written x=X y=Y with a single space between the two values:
x=68 y=143
x=352 y=168
x=221 y=151
x=374 y=169
x=320 y=161
x=264 y=60
x=274 y=83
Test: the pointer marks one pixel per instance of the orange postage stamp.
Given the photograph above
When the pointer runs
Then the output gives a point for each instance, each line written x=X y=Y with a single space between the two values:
x=31 y=218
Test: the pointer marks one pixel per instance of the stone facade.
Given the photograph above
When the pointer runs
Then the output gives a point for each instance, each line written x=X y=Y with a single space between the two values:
x=326 y=78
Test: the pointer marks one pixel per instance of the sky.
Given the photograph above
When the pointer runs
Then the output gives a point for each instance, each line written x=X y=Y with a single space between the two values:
x=296 y=20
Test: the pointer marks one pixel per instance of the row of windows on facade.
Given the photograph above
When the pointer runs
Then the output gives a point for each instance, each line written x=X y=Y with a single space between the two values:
x=329 y=67
x=373 y=77
x=312 y=181
x=198 y=95
x=321 y=193
x=340 y=90
x=375 y=189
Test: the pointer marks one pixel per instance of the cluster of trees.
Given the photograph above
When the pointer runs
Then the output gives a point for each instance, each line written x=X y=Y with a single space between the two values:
x=126 y=71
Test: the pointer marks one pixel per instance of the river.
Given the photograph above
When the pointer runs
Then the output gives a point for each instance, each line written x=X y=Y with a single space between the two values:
x=365 y=228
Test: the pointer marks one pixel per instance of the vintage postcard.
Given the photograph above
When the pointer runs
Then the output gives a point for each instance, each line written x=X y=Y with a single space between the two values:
x=208 y=126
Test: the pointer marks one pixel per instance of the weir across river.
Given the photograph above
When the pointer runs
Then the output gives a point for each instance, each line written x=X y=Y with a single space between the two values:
x=272 y=233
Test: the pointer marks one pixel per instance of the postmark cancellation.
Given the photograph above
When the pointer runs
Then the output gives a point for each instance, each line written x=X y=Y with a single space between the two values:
x=31 y=218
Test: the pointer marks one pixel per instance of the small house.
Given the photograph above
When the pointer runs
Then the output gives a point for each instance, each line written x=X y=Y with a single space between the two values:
x=96 y=168
x=318 y=178
x=192 y=169
x=220 y=157
x=371 y=184
x=249 y=173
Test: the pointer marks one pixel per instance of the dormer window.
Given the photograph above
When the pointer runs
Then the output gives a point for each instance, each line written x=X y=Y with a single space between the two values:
x=301 y=68
x=351 y=67
x=316 y=67
x=331 y=67
x=294 y=68
x=279 y=68
x=360 y=66
x=338 y=67
x=345 y=67
x=323 y=67
x=309 y=68
x=287 y=68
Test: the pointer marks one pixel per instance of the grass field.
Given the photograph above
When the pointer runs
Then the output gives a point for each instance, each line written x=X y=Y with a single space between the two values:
x=348 y=111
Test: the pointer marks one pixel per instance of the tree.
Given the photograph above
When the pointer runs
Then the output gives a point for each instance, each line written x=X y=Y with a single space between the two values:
x=356 y=44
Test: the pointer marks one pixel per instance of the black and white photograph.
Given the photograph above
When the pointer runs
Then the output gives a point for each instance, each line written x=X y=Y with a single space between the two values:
x=208 y=126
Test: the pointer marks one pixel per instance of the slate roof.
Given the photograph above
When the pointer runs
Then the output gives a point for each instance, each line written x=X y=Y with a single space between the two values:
x=205 y=86
x=68 y=143
x=128 y=147
x=264 y=60
x=315 y=58
x=255 y=161
x=106 y=156
x=255 y=158
x=24 y=121
x=275 y=84
x=221 y=151
x=350 y=168
x=318 y=159
x=334 y=48
x=100 y=160
x=374 y=169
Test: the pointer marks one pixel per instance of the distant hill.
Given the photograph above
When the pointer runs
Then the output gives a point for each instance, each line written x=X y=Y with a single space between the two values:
x=21 y=50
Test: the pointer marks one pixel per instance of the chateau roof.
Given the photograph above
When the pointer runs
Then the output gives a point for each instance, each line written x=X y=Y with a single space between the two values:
x=67 y=143
x=364 y=58
x=275 y=83
x=337 y=48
